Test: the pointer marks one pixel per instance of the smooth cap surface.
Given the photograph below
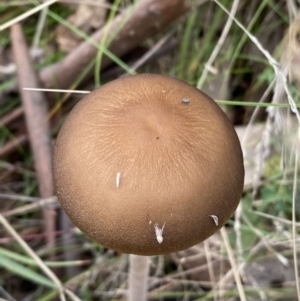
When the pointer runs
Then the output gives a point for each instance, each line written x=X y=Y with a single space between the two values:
x=148 y=165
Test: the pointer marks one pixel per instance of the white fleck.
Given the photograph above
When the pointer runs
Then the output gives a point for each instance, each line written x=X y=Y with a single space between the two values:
x=159 y=232
x=185 y=101
x=163 y=91
x=215 y=218
x=150 y=222
x=118 y=178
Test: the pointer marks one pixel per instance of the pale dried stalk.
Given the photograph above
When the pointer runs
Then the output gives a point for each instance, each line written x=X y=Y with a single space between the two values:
x=294 y=230
x=26 y=14
x=219 y=45
x=234 y=266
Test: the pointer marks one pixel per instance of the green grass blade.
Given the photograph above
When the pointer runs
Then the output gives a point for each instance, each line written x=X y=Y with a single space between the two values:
x=25 y=272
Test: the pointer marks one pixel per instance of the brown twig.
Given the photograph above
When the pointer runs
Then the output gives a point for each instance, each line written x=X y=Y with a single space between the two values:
x=35 y=108
x=6 y=175
x=26 y=237
x=148 y=18
x=12 y=144
x=42 y=203
x=11 y=116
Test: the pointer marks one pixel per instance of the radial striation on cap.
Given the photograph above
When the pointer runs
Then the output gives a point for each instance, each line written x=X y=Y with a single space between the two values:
x=148 y=165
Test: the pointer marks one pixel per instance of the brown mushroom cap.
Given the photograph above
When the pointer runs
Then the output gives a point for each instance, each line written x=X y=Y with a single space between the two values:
x=145 y=150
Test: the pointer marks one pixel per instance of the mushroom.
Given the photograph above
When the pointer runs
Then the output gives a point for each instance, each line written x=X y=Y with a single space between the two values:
x=148 y=165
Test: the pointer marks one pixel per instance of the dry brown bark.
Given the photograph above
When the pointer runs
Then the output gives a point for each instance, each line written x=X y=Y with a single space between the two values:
x=148 y=18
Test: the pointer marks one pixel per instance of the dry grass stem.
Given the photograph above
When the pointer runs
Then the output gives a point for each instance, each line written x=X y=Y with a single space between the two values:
x=57 y=90
x=52 y=201
x=234 y=266
x=294 y=232
x=280 y=74
x=219 y=45
x=39 y=28
x=26 y=14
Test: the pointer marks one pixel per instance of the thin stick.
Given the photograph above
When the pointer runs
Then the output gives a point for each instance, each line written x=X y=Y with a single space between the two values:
x=35 y=109
x=32 y=207
x=210 y=267
x=219 y=44
x=16 y=142
x=16 y=197
x=276 y=218
x=39 y=28
x=57 y=90
x=11 y=116
x=26 y=15
x=234 y=266
x=294 y=231
x=280 y=74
